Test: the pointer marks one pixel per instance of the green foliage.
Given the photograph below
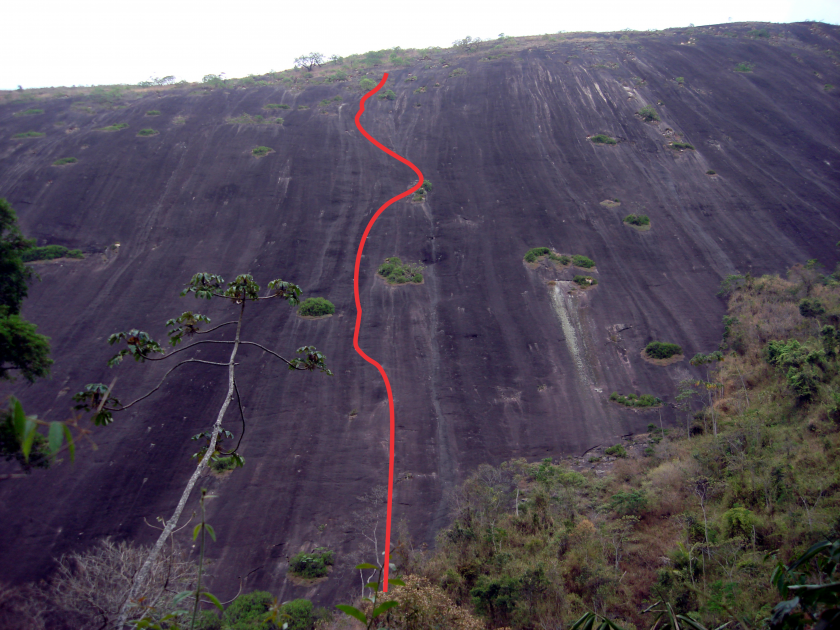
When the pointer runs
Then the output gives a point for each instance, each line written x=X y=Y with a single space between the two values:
x=297 y=614
x=639 y=220
x=812 y=597
x=223 y=464
x=387 y=94
x=630 y=503
x=30 y=112
x=249 y=612
x=582 y=261
x=50 y=252
x=20 y=441
x=458 y=72
x=811 y=307
x=147 y=132
x=632 y=400
x=65 y=160
x=316 y=307
x=804 y=366
x=744 y=66
x=680 y=80
x=153 y=112
x=710 y=172
x=662 y=350
x=140 y=346
x=396 y=272
x=648 y=113
x=585 y=281
x=214 y=80
x=261 y=151
x=761 y=33
x=603 y=139
x=29 y=134
x=367 y=84
x=678 y=146
x=616 y=451
x=277 y=106
x=427 y=186
x=532 y=254
x=114 y=127
x=311 y=565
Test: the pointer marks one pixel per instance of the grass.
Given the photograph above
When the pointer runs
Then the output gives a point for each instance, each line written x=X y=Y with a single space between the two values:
x=261 y=151
x=648 y=113
x=632 y=400
x=65 y=160
x=115 y=127
x=396 y=272
x=153 y=112
x=277 y=106
x=744 y=66
x=30 y=112
x=147 y=132
x=311 y=565
x=585 y=281
x=29 y=134
x=679 y=146
x=603 y=139
x=316 y=307
x=50 y=252
x=661 y=350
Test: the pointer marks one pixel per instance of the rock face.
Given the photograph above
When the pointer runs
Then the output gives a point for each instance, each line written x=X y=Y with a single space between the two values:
x=490 y=358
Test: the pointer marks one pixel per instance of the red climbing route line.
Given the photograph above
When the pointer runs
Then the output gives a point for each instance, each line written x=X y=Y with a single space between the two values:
x=359 y=314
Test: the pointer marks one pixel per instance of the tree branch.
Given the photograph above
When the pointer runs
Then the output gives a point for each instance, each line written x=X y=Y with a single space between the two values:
x=123 y=408
x=204 y=332
x=251 y=343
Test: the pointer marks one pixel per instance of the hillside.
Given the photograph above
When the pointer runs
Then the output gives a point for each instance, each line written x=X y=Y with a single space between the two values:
x=492 y=357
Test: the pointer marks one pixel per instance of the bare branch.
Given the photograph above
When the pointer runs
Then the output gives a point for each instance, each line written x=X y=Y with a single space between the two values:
x=123 y=408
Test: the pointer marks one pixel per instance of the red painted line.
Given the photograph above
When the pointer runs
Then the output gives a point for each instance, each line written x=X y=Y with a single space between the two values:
x=373 y=219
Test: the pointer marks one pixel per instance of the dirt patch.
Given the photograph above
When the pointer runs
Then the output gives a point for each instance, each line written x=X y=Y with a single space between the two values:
x=674 y=359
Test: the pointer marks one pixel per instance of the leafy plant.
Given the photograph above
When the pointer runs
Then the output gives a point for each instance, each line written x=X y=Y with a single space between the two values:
x=153 y=112
x=458 y=72
x=375 y=609
x=50 y=252
x=277 y=106
x=759 y=33
x=662 y=350
x=680 y=80
x=316 y=307
x=585 y=281
x=677 y=146
x=29 y=134
x=396 y=272
x=367 y=84
x=648 y=113
x=261 y=151
x=65 y=160
x=632 y=400
x=744 y=66
x=639 y=220
x=710 y=172
x=616 y=451
x=582 y=261
x=147 y=132
x=603 y=139
x=311 y=565
x=387 y=94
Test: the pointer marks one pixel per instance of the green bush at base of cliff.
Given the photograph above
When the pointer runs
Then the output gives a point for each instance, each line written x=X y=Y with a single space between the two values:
x=316 y=307
x=396 y=272
x=662 y=350
x=648 y=113
x=616 y=451
x=639 y=220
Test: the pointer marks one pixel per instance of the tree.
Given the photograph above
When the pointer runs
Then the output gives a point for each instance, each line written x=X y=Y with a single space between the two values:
x=141 y=347
x=22 y=349
x=467 y=44
x=309 y=61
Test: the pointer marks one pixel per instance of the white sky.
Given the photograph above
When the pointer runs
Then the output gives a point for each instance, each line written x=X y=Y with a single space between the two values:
x=94 y=42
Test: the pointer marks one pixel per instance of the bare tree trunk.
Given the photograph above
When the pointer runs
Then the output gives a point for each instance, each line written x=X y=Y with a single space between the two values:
x=142 y=575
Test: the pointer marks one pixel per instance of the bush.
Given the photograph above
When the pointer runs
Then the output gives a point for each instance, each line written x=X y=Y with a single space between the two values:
x=585 y=281
x=147 y=132
x=367 y=84
x=648 y=114
x=662 y=350
x=458 y=72
x=680 y=80
x=396 y=272
x=30 y=112
x=50 y=252
x=632 y=400
x=759 y=32
x=744 y=67
x=316 y=307
x=536 y=252
x=616 y=451
x=603 y=139
x=427 y=186
x=389 y=94
x=583 y=261
x=63 y=161
x=115 y=127
x=222 y=464
x=311 y=565
x=247 y=612
x=208 y=620
x=681 y=145
x=261 y=151
x=297 y=613
x=153 y=112
x=277 y=106
x=29 y=134
x=629 y=503
x=639 y=220
x=710 y=172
